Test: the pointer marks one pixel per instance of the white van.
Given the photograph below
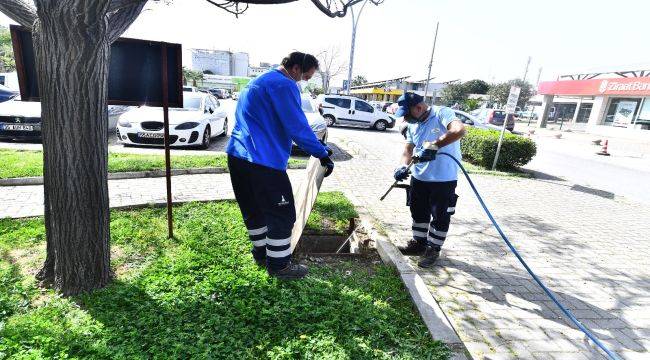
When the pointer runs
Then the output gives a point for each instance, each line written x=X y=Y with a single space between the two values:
x=350 y=111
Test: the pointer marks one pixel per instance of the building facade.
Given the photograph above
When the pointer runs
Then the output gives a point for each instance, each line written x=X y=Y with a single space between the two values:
x=608 y=106
x=390 y=90
x=217 y=62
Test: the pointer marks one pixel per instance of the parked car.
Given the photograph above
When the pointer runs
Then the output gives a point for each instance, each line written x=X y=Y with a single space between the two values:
x=220 y=93
x=527 y=114
x=379 y=105
x=314 y=118
x=7 y=93
x=350 y=111
x=21 y=120
x=235 y=95
x=471 y=120
x=496 y=117
x=200 y=119
x=190 y=89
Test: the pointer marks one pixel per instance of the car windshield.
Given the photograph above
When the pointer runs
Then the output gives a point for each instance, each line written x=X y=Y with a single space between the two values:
x=193 y=103
x=307 y=107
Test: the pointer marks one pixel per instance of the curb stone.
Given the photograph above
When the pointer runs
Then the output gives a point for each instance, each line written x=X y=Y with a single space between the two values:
x=38 y=180
x=439 y=326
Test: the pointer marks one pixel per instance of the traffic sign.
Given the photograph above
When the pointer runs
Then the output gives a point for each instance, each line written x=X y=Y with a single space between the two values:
x=513 y=98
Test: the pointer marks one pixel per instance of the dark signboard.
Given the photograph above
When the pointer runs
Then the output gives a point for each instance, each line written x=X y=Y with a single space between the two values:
x=135 y=74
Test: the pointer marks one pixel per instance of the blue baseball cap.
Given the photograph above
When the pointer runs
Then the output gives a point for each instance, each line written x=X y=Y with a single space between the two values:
x=407 y=100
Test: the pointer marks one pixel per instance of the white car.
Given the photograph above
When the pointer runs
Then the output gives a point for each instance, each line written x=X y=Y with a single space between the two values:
x=201 y=118
x=471 y=120
x=350 y=111
x=314 y=118
x=190 y=89
x=21 y=120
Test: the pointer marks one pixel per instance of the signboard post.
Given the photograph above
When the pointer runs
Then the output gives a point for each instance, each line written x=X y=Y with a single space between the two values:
x=511 y=107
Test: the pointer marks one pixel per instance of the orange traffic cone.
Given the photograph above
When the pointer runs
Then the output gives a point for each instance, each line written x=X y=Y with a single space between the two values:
x=603 y=151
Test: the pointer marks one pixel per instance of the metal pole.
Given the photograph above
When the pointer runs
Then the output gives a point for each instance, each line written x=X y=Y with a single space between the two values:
x=503 y=130
x=526 y=71
x=426 y=86
x=168 y=175
x=355 y=21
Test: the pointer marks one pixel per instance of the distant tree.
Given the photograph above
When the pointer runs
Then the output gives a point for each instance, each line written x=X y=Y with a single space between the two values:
x=471 y=104
x=191 y=75
x=359 y=80
x=476 y=86
x=499 y=92
x=453 y=93
x=7 y=62
x=330 y=66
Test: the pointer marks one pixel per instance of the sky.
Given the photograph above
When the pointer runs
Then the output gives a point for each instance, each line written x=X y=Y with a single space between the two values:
x=489 y=40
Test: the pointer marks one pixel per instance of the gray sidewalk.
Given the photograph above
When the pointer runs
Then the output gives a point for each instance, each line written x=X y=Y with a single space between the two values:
x=591 y=250
x=26 y=201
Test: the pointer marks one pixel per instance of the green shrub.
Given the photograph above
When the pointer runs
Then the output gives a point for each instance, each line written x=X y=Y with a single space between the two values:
x=479 y=147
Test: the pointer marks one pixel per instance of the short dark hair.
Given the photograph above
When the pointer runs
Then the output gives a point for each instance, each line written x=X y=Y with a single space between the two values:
x=306 y=61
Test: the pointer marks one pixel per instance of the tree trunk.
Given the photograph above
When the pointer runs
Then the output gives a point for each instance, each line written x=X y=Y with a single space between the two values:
x=72 y=58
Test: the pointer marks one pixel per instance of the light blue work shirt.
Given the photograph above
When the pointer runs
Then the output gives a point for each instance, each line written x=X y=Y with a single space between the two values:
x=442 y=168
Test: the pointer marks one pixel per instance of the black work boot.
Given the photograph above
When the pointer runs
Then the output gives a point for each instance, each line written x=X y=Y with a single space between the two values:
x=290 y=272
x=412 y=247
x=430 y=256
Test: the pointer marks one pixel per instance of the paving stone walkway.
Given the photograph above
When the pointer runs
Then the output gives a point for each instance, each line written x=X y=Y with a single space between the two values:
x=590 y=249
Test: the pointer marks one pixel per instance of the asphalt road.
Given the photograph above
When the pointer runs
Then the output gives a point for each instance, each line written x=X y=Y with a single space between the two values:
x=603 y=176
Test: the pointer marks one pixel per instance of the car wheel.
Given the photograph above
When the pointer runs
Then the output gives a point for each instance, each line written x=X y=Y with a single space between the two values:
x=225 y=127
x=205 y=142
x=381 y=125
x=330 y=120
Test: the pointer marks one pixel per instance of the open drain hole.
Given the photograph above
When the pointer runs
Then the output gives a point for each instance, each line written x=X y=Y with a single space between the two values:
x=354 y=242
x=323 y=244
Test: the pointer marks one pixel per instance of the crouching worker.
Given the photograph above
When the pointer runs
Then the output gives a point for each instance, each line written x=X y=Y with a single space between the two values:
x=432 y=194
x=267 y=119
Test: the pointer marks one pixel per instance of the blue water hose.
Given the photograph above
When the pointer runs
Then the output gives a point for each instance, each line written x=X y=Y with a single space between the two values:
x=548 y=292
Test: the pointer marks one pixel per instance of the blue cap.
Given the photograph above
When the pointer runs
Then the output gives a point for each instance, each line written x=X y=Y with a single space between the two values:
x=407 y=100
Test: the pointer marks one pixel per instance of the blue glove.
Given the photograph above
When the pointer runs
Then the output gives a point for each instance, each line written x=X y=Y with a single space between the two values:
x=425 y=155
x=401 y=173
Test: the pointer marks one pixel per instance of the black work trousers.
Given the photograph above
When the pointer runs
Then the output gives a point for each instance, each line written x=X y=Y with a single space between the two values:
x=265 y=199
x=432 y=204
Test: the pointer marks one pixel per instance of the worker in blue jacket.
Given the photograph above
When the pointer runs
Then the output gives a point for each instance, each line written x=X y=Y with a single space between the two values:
x=268 y=118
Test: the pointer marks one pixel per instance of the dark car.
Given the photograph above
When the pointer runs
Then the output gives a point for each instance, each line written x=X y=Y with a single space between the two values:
x=6 y=93
x=496 y=117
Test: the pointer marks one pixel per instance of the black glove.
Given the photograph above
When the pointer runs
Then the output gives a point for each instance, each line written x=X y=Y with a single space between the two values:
x=401 y=173
x=425 y=155
x=328 y=163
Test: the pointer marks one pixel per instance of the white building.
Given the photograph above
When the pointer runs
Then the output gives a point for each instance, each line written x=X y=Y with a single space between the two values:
x=239 y=64
x=218 y=62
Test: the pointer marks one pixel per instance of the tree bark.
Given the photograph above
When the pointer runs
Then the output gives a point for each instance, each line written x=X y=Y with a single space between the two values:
x=72 y=57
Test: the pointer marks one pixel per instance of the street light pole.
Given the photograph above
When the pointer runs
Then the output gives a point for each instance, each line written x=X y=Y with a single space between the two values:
x=355 y=21
x=426 y=86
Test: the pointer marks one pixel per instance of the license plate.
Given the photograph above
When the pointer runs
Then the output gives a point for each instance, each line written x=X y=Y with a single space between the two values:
x=19 y=127
x=149 y=135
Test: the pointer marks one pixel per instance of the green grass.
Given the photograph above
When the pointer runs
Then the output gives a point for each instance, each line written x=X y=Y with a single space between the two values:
x=24 y=163
x=202 y=296
x=474 y=169
x=332 y=211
